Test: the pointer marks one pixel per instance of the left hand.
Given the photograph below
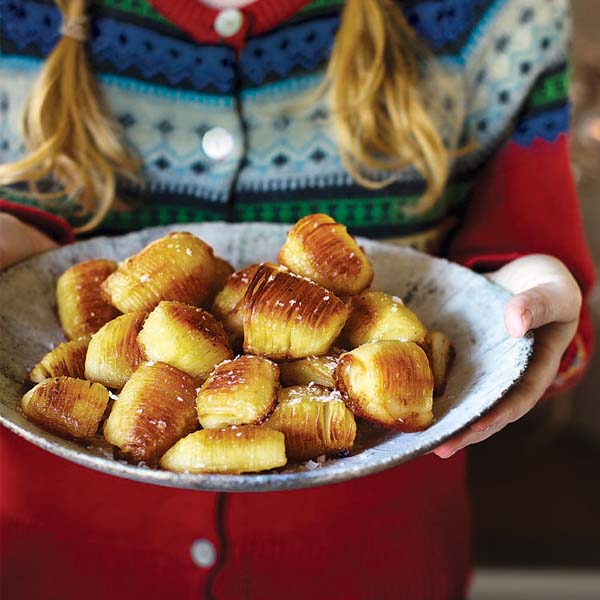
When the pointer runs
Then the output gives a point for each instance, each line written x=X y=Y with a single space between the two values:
x=547 y=299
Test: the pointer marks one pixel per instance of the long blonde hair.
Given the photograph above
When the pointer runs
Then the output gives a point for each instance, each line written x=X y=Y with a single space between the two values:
x=372 y=83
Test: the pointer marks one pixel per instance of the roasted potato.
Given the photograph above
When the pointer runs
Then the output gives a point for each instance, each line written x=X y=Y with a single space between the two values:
x=314 y=421
x=185 y=337
x=235 y=449
x=287 y=316
x=319 y=248
x=238 y=392
x=69 y=407
x=82 y=309
x=156 y=408
x=389 y=383
x=179 y=267
x=114 y=353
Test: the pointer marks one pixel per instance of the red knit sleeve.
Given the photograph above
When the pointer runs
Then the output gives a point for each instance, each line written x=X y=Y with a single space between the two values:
x=525 y=202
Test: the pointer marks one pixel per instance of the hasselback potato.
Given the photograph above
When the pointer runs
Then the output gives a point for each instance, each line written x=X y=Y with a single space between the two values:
x=389 y=383
x=66 y=406
x=314 y=421
x=287 y=316
x=240 y=391
x=179 y=266
x=114 y=353
x=242 y=449
x=82 y=309
x=186 y=337
x=319 y=248
x=155 y=409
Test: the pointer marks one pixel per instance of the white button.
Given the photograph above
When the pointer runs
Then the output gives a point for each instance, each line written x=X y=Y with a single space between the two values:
x=217 y=143
x=229 y=21
x=203 y=553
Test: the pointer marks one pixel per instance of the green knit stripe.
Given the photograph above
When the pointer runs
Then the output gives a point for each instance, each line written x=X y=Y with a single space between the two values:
x=355 y=212
x=141 y=8
x=147 y=216
x=382 y=211
x=550 y=89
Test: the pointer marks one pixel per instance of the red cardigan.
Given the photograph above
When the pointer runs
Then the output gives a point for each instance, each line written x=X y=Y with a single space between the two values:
x=70 y=533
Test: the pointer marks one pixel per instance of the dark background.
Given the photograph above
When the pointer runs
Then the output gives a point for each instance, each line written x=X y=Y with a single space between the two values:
x=535 y=487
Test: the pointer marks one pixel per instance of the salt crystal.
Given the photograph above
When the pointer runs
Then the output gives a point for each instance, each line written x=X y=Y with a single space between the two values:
x=188 y=251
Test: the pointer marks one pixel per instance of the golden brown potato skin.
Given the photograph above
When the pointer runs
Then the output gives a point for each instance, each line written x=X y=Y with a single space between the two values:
x=321 y=249
x=243 y=449
x=389 y=383
x=179 y=266
x=156 y=408
x=287 y=316
x=314 y=421
x=69 y=407
x=185 y=337
x=114 y=353
x=238 y=392
x=67 y=359
x=82 y=309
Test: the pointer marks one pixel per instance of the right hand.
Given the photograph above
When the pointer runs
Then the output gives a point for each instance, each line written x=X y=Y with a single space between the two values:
x=19 y=241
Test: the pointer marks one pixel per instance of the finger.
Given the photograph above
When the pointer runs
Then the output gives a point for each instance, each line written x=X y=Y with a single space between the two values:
x=545 y=303
x=462 y=440
x=530 y=271
x=519 y=401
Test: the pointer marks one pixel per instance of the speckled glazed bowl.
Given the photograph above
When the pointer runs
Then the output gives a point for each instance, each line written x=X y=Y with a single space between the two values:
x=447 y=297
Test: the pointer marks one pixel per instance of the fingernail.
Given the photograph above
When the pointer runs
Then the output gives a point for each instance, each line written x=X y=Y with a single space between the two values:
x=527 y=319
x=515 y=324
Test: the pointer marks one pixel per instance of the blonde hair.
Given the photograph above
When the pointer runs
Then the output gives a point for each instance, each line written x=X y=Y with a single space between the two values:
x=69 y=133
x=372 y=82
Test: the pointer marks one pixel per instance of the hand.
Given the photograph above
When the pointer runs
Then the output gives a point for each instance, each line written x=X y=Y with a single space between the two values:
x=548 y=300
x=19 y=241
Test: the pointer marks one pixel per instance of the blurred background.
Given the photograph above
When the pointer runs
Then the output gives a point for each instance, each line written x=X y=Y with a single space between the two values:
x=535 y=486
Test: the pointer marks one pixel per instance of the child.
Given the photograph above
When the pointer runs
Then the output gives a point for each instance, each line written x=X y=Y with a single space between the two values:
x=437 y=124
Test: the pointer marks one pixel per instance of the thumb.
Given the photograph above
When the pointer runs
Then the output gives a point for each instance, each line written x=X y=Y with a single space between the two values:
x=556 y=301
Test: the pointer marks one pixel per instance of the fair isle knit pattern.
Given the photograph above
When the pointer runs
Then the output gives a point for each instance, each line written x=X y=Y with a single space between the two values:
x=496 y=73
